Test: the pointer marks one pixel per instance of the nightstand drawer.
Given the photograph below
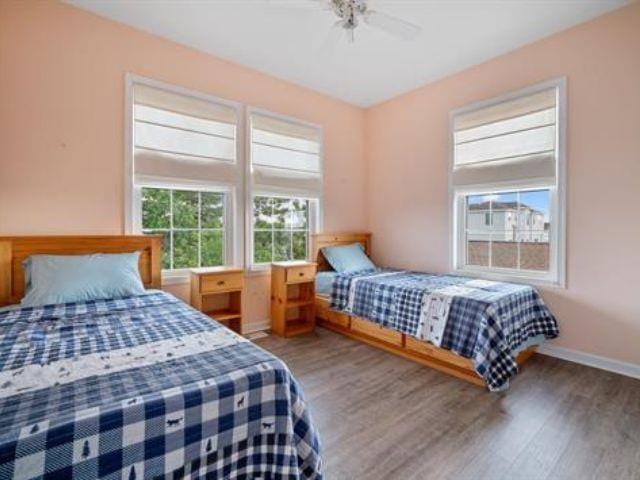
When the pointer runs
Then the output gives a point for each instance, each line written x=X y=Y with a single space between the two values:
x=304 y=273
x=221 y=282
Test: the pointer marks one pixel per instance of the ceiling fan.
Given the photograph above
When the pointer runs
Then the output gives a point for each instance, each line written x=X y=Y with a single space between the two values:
x=350 y=12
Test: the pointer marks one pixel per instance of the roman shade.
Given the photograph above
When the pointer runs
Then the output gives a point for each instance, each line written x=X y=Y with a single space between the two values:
x=511 y=141
x=285 y=156
x=183 y=136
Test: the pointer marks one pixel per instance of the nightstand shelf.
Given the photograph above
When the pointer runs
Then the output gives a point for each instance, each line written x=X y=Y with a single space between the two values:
x=299 y=302
x=223 y=315
x=217 y=292
x=293 y=298
x=298 y=327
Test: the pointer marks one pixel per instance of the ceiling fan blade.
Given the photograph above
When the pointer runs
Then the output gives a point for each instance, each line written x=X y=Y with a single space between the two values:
x=392 y=25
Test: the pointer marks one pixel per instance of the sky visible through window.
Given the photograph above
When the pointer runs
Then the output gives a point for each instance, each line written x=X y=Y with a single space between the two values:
x=536 y=199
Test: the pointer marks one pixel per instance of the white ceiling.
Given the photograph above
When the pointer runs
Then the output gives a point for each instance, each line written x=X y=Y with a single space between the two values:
x=289 y=38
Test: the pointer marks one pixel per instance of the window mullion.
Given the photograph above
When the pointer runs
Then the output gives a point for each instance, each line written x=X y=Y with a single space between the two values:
x=273 y=235
x=171 y=228
x=490 y=232
x=290 y=231
x=200 y=229
x=518 y=236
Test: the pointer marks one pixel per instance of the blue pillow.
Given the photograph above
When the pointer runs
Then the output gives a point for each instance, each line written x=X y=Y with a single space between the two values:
x=349 y=258
x=77 y=278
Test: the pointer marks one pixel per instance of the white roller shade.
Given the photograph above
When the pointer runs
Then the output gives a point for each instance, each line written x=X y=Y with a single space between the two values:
x=183 y=136
x=512 y=141
x=285 y=156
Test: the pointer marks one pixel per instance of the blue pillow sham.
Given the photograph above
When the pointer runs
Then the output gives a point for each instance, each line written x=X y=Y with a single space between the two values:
x=347 y=258
x=76 y=278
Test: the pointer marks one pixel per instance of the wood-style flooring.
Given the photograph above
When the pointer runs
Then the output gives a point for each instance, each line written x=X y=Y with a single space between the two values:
x=383 y=417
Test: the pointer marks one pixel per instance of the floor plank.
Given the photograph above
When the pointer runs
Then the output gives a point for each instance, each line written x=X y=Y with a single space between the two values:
x=384 y=417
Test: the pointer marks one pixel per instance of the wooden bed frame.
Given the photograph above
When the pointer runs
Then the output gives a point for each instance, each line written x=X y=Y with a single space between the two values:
x=385 y=338
x=14 y=250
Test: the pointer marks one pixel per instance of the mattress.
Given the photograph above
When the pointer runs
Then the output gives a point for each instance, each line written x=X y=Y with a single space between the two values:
x=143 y=387
x=324 y=282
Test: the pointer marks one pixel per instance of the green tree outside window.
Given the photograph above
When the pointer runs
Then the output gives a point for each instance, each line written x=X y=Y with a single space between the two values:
x=280 y=229
x=192 y=224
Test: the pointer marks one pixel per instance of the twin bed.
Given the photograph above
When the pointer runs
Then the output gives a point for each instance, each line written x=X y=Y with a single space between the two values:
x=139 y=387
x=144 y=386
x=476 y=330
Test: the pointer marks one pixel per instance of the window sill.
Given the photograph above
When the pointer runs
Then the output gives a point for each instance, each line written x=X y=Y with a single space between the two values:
x=171 y=278
x=183 y=278
x=528 y=279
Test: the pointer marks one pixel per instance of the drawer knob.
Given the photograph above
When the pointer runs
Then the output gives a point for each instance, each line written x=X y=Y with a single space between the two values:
x=220 y=282
x=301 y=274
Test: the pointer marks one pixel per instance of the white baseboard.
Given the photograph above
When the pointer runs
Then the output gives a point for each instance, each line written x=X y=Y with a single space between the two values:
x=589 y=359
x=596 y=361
x=253 y=327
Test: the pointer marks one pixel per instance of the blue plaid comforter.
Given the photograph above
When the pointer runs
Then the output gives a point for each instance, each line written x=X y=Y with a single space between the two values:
x=487 y=324
x=145 y=387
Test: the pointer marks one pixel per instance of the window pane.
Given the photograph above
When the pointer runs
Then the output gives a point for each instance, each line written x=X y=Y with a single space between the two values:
x=478 y=212
x=212 y=248
x=166 y=246
x=509 y=230
x=504 y=246
x=299 y=245
x=212 y=210
x=533 y=231
x=282 y=246
x=262 y=209
x=298 y=219
x=478 y=232
x=280 y=228
x=280 y=210
x=185 y=249
x=185 y=209
x=262 y=247
x=156 y=208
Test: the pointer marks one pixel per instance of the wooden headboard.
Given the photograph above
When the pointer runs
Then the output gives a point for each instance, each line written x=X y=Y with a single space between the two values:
x=321 y=240
x=14 y=250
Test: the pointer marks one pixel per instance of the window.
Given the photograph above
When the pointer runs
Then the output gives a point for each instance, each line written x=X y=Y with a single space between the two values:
x=507 y=186
x=285 y=187
x=192 y=223
x=184 y=174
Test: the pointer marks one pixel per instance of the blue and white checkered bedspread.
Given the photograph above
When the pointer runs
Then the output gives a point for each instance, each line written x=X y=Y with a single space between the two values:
x=145 y=387
x=486 y=324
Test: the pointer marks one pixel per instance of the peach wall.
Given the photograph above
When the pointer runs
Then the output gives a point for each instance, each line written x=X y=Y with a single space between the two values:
x=62 y=121
x=61 y=166
x=407 y=153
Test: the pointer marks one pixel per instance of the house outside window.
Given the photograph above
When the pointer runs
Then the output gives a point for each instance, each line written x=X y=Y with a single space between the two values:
x=507 y=186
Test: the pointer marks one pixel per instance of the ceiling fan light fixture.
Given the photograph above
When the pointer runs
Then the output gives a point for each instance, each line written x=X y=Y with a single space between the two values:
x=350 y=12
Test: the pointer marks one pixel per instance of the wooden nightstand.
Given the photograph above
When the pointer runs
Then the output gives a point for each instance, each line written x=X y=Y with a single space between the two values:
x=293 y=298
x=217 y=292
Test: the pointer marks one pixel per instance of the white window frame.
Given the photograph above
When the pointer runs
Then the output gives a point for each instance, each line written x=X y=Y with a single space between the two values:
x=556 y=276
x=234 y=207
x=315 y=204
